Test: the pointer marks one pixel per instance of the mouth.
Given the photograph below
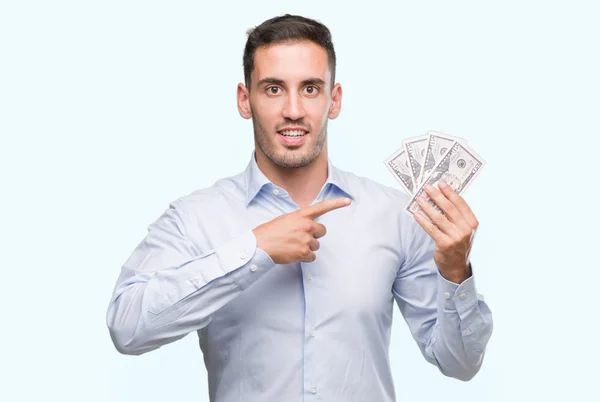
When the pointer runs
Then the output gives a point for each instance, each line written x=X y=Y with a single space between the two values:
x=293 y=136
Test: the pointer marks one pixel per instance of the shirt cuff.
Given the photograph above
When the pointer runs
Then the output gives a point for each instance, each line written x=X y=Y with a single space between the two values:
x=457 y=298
x=260 y=264
x=243 y=260
x=229 y=258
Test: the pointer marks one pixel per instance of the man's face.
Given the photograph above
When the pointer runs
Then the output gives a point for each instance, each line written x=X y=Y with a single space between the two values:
x=290 y=100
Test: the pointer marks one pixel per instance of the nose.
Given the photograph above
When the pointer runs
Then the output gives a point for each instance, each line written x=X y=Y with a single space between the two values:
x=293 y=108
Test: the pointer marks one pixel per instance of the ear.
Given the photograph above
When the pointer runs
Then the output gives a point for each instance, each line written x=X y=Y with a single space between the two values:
x=243 y=101
x=336 y=101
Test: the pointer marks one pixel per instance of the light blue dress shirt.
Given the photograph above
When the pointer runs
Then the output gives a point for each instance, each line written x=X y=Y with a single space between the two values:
x=316 y=331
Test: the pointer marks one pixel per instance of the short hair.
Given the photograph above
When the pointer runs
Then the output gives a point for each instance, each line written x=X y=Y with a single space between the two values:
x=287 y=29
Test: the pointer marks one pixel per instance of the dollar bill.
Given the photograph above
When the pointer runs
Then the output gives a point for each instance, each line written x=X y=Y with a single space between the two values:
x=398 y=164
x=458 y=168
x=415 y=151
x=437 y=146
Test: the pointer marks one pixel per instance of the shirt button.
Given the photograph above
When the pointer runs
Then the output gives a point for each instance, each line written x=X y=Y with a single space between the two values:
x=313 y=390
x=313 y=333
x=253 y=268
x=467 y=331
x=275 y=191
x=309 y=276
x=447 y=295
x=462 y=296
x=243 y=255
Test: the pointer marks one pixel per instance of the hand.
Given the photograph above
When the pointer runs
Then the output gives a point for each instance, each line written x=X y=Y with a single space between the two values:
x=452 y=232
x=293 y=237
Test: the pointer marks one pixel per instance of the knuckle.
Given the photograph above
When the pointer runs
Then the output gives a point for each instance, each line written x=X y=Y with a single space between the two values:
x=445 y=244
x=306 y=225
x=452 y=200
x=437 y=217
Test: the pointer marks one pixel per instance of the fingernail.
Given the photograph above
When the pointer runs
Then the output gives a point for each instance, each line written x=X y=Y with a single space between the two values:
x=442 y=184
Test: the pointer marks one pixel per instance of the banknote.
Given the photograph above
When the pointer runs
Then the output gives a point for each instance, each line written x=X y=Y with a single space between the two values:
x=457 y=168
x=398 y=164
x=415 y=151
x=437 y=145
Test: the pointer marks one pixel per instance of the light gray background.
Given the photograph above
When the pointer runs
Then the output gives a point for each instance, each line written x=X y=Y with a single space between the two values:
x=109 y=110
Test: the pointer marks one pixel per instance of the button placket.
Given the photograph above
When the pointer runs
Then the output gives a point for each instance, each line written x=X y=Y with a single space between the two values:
x=311 y=314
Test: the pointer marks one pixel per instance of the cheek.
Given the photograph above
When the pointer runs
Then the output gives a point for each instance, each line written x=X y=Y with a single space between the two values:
x=266 y=113
x=318 y=111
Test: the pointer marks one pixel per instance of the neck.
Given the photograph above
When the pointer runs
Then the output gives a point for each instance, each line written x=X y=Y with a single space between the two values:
x=303 y=184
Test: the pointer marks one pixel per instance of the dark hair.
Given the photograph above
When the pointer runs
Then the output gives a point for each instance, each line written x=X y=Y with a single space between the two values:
x=287 y=29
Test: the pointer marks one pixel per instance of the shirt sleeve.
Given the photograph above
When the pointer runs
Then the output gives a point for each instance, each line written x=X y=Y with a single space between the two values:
x=168 y=288
x=451 y=323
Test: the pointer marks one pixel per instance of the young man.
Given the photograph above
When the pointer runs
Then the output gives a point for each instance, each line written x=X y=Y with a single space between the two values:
x=289 y=271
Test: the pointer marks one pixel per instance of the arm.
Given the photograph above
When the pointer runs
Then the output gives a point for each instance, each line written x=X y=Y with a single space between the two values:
x=450 y=322
x=168 y=288
x=435 y=289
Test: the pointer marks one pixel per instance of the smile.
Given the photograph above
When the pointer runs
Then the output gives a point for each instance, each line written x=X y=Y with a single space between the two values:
x=292 y=133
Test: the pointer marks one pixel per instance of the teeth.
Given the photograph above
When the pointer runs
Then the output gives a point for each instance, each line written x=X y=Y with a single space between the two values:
x=293 y=133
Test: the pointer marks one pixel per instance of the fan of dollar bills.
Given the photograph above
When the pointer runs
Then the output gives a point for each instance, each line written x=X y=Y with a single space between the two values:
x=431 y=158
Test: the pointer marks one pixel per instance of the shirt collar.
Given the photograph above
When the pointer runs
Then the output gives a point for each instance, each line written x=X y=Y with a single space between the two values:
x=255 y=179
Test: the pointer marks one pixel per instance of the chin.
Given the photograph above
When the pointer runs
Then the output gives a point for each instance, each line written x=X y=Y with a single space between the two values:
x=292 y=158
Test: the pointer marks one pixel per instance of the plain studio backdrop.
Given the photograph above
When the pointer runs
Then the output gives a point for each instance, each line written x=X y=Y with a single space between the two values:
x=110 y=110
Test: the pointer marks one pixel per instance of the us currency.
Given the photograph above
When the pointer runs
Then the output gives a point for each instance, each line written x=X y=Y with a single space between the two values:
x=397 y=163
x=458 y=168
x=437 y=145
x=415 y=150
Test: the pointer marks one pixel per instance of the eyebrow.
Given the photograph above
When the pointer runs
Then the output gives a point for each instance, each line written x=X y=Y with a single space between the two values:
x=276 y=81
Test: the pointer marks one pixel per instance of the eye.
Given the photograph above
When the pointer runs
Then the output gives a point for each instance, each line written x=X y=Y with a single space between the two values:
x=273 y=90
x=311 y=90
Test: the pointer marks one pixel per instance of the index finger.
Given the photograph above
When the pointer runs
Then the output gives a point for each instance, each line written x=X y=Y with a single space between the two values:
x=322 y=207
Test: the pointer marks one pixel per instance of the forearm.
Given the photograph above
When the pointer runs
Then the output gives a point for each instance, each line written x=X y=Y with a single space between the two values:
x=150 y=309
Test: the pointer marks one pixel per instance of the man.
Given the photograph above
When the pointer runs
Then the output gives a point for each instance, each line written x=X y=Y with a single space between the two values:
x=289 y=271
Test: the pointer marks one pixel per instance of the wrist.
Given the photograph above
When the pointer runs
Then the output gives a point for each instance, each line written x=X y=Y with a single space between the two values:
x=456 y=275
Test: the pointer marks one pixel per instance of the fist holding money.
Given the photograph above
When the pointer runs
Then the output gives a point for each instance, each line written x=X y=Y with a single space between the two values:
x=436 y=169
x=452 y=231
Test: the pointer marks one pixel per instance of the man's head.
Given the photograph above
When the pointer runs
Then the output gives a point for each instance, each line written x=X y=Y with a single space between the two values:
x=289 y=91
